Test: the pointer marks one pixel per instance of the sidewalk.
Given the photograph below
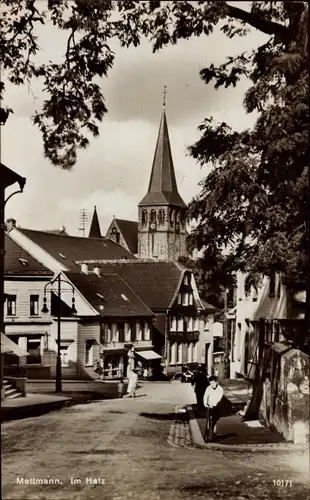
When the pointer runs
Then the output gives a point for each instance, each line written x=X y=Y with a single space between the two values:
x=32 y=405
x=232 y=433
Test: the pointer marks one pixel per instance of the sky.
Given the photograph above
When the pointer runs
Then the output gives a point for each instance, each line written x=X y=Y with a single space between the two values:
x=113 y=172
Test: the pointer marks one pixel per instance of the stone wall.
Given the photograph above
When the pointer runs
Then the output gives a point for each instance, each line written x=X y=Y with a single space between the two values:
x=285 y=399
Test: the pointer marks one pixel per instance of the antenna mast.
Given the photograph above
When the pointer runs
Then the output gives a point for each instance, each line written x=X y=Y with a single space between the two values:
x=83 y=221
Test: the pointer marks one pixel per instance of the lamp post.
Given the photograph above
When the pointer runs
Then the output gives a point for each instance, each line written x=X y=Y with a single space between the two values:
x=226 y=347
x=58 y=280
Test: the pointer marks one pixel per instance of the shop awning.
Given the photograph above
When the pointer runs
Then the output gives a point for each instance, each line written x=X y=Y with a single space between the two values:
x=9 y=347
x=149 y=355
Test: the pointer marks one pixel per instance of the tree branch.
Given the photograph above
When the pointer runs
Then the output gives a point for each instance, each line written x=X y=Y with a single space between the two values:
x=268 y=27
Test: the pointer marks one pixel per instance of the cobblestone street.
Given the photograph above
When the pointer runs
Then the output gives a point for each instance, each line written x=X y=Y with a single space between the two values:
x=136 y=449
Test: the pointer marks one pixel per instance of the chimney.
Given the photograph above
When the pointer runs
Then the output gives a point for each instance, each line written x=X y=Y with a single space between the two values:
x=84 y=268
x=97 y=270
x=10 y=223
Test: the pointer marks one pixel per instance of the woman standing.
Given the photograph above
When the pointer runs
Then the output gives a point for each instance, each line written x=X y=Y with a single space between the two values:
x=132 y=383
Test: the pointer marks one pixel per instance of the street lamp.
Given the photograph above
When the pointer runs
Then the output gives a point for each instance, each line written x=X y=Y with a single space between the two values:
x=58 y=280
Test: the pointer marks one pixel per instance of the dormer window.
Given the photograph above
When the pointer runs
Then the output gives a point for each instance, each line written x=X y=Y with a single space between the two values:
x=144 y=216
x=23 y=262
x=115 y=235
x=61 y=255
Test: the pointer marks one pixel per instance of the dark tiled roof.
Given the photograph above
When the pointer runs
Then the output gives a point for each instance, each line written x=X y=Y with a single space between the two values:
x=18 y=262
x=94 y=231
x=119 y=298
x=129 y=230
x=75 y=248
x=154 y=282
x=208 y=307
x=163 y=188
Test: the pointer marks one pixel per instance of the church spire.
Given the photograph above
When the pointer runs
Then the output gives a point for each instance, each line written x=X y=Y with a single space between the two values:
x=94 y=231
x=163 y=188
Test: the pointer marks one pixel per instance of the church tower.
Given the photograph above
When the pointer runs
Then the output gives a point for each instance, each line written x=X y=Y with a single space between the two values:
x=161 y=228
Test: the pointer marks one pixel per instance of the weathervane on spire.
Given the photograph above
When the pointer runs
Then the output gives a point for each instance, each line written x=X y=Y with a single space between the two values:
x=165 y=95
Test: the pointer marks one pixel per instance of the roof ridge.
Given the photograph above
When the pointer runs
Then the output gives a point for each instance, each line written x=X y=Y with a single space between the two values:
x=63 y=235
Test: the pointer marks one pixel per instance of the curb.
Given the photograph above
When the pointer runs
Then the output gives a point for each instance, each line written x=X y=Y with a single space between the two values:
x=199 y=442
x=18 y=413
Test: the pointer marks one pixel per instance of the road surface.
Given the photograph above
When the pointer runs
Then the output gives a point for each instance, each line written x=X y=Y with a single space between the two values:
x=129 y=449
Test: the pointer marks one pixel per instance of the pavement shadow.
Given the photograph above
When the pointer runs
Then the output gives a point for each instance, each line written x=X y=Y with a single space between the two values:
x=158 y=416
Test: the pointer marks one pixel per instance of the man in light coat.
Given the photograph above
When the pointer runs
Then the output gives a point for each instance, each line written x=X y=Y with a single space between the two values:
x=212 y=398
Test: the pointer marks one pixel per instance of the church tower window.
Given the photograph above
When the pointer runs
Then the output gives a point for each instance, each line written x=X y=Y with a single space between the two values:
x=161 y=216
x=153 y=215
x=144 y=216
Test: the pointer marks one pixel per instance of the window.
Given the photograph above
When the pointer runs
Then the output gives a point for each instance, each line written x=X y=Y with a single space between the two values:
x=195 y=352
x=34 y=349
x=114 y=333
x=180 y=298
x=139 y=331
x=272 y=285
x=89 y=352
x=185 y=299
x=180 y=324
x=190 y=299
x=107 y=332
x=279 y=287
x=173 y=353
x=180 y=352
x=189 y=353
x=11 y=305
x=161 y=216
x=128 y=327
x=173 y=324
x=171 y=217
x=217 y=344
x=121 y=332
x=116 y=235
x=190 y=325
x=144 y=216
x=153 y=215
x=34 y=305
x=186 y=279
x=147 y=332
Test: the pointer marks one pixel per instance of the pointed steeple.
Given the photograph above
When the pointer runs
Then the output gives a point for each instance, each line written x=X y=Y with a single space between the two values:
x=94 y=231
x=163 y=188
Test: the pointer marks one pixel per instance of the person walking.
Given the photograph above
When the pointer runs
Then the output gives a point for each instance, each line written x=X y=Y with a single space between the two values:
x=200 y=383
x=132 y=384
x=212 y=399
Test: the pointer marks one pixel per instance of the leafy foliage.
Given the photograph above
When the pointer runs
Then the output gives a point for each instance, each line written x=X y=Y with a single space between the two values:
x=251 y=212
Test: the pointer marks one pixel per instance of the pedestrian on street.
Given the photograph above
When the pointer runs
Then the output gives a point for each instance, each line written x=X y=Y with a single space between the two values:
x=132 y=384
x=212 y=399
x=200 y=382
x=145 y=374
x=120 y=388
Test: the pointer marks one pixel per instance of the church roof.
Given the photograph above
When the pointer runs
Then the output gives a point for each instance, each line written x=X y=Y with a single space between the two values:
x=110 y=291
x=129 y=230
x=69 y=249
x=18 y=262
x=94 y=231
x=163 y=188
